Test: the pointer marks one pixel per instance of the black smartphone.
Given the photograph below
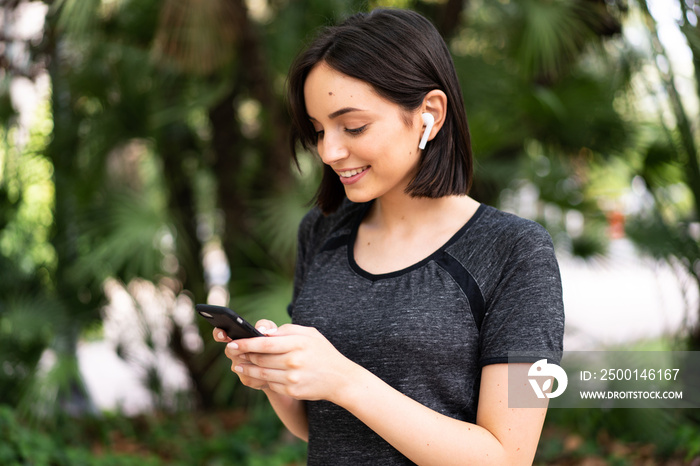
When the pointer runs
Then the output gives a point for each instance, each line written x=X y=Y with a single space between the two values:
x=224 y=318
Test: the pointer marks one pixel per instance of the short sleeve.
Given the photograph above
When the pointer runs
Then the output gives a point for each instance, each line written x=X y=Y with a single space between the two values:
x=525 y=312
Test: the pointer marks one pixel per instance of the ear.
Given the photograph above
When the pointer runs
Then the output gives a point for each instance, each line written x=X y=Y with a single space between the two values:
x=435 y=103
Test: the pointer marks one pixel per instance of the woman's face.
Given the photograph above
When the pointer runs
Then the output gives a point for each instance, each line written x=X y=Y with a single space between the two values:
x=363 y=137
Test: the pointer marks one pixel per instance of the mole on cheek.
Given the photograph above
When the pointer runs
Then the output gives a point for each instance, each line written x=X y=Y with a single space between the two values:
x=330 y=93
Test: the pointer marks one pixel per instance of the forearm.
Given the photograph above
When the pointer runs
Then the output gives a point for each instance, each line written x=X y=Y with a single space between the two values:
x=423 y=435
x=291 y=412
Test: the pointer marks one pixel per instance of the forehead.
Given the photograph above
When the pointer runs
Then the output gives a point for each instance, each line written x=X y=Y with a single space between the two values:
x=326 y=88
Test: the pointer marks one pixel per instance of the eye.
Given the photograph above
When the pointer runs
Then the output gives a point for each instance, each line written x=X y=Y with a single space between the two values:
x=356 y=131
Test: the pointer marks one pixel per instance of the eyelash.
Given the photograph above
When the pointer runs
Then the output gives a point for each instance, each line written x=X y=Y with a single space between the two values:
x=356 y=131
x=351 y=131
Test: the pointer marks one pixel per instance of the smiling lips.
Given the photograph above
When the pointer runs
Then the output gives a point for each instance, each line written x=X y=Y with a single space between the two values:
x=351 y=176
x=353 y=172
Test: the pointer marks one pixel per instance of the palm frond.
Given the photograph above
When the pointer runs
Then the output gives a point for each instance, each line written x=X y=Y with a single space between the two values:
x=198 y=35
x=126 y=236
x=552 y=33
x=76 y=17
x=655 y=237
x=279 y=217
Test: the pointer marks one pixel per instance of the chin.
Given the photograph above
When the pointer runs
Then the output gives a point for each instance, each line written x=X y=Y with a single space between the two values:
x=357 y=197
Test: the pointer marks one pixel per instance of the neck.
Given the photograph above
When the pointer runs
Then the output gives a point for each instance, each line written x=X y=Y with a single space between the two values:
x=408 y=213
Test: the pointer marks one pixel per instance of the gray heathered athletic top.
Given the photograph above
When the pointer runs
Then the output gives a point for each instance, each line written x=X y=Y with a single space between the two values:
x=426 y=330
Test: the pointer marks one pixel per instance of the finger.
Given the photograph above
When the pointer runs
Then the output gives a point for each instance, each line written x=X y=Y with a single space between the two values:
x=248 y=381
x=274 y=345
x=263 y=375
x=232 y=352
x=292 y=329
x=284 y=361
x=220 y=335
x=266 y=326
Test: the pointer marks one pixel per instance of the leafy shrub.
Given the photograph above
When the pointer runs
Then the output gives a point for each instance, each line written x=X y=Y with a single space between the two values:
x=219 y=438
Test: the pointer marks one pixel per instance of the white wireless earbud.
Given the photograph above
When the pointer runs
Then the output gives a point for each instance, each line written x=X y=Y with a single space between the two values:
x=429 y=121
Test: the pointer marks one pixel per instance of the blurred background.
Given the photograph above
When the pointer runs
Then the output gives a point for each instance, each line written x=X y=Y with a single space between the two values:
x=144 y=167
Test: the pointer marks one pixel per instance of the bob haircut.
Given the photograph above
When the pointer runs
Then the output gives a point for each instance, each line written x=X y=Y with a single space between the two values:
x=403 y=57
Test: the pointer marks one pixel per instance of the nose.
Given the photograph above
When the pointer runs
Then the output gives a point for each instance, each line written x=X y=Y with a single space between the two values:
x=331 y=149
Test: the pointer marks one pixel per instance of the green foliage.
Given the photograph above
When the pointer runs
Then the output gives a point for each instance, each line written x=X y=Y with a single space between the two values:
x=688 y=435
x=553 y=86
x=29 y=315
x=27 y=196
x=669 y=433
x=20 y=445
x=590 y=245
x=212 y=438
x=27 y=322
x=125 y=236
x=7 y=110
x=663 y=242
x=257 y=442
x=549 y=35
x=579 y=111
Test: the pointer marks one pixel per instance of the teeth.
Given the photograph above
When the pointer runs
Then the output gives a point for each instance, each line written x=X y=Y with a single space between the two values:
x=349 y=173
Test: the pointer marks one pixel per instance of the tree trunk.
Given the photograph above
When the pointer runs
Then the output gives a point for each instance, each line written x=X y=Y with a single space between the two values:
x=255 y=73
x=175 y=143
x=61 y=151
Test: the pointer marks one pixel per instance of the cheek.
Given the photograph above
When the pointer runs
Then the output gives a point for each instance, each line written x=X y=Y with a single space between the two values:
x=390 y=146
x=370 y=148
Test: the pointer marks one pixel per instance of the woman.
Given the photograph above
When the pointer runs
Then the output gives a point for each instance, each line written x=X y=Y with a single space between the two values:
x=409 y=295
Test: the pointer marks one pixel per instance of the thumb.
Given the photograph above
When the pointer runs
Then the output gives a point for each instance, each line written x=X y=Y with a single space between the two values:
x=266 y=326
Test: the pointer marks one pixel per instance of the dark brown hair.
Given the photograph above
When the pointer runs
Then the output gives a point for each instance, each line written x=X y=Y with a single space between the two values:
x=403 y=57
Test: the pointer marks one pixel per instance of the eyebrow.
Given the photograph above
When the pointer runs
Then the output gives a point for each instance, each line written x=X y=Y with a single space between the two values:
x=340 y=112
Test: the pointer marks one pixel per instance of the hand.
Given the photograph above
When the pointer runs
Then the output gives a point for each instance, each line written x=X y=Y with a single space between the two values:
x=239 y=358
x=295 y=361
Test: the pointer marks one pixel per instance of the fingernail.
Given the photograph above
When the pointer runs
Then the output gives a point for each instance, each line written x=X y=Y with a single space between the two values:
x=263 y=329
x=238 y=369
x=221 y=335
x=233 y=345
x=272 y=330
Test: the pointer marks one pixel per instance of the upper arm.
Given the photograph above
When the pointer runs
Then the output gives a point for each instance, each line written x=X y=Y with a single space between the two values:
x=517 y=429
